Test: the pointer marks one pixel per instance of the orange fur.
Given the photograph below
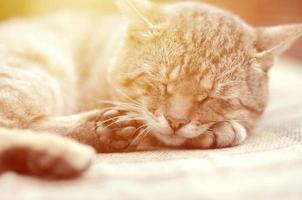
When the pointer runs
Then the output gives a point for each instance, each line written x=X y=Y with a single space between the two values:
x=182 y=74
x=203 y=69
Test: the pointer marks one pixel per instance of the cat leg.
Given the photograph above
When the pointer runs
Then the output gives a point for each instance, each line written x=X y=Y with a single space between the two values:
x=228 y=134
x=34 y=100
x=105 y=130
x=118 y=131
x=44 y=155
x=221 y=135
x=27 y=96
x=81 y=127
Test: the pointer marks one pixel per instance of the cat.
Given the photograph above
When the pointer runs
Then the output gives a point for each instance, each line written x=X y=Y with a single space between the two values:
x=177 y=75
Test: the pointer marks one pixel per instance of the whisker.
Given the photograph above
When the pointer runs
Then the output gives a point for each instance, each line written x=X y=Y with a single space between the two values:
x=151 y=119
x=130 y=118
x=115 y=122
x=124 y=106
x=105 y=121
x=221 y=121
x=134 y=141
x=230 y=83
x=110 y=119
x=127 y=97
x=117 y=103
x=147 y=132
x=118 y=121
x=144 y=133
x=141 y=127
x=133 y=105
x=113 y=102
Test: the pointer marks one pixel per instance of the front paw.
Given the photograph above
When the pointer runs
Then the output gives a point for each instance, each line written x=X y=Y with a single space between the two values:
x=44 y=155
x=116 y=130
x=221 y=135
x=228 y=134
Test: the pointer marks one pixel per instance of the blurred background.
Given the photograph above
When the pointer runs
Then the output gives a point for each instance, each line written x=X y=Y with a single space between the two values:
x=256 y=12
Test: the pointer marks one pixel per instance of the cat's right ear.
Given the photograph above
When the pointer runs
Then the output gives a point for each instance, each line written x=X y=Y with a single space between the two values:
x=145 y=18
x=273 y=41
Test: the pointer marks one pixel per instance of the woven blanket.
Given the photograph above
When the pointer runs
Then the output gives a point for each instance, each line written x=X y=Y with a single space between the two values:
x=267 y=166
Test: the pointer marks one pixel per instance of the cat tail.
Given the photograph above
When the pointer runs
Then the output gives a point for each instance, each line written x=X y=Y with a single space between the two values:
x=42 y=154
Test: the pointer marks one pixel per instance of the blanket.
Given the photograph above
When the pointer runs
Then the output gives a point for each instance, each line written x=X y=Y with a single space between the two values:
x=267 y=166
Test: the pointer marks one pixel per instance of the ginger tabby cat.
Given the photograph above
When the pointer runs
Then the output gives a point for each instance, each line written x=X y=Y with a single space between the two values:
x=181 y=75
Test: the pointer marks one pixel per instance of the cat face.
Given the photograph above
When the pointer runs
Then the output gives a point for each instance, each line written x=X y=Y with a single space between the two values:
x=188 y=66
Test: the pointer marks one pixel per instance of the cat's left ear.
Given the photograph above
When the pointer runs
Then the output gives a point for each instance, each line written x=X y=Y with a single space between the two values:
x=273 y=41
x=145 y=18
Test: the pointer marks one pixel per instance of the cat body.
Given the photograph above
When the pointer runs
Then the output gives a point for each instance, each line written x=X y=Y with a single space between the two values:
x=172 y=75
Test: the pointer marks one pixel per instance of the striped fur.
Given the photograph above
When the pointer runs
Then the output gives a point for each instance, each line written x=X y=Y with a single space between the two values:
x=182 y=74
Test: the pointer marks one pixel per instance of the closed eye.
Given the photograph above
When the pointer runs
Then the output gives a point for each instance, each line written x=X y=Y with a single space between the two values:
x=205 y=100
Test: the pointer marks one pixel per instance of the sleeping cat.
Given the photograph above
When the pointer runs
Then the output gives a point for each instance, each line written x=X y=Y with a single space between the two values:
x=181 y=75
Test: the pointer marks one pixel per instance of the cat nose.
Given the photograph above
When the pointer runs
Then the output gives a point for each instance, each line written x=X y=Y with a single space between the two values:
x=176 y=123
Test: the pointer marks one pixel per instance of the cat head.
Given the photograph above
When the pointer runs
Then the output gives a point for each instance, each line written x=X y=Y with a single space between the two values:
x=187 y=66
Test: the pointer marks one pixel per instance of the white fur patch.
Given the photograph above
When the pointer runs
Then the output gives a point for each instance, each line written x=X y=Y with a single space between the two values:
x=190 y=131
x=175 y=73
x=241 y=133
x=164 y=133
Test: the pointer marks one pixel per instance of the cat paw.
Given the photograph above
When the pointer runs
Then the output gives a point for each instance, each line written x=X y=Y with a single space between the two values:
x=46 y=156
x=221 y=135
x=116 y=130
x=228 y=134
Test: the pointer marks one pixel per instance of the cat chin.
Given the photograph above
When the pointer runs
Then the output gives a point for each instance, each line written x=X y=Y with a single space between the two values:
x=171 y=140
x=190 y=131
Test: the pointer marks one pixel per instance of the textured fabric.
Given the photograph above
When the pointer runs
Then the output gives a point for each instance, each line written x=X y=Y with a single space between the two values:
x=267 y=166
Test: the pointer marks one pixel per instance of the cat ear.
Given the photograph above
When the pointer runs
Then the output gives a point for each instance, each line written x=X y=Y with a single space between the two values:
x=145 y=18
x=273 y=41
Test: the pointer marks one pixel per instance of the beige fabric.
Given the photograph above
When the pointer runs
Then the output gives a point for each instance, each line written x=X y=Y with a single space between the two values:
x=267 y=166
